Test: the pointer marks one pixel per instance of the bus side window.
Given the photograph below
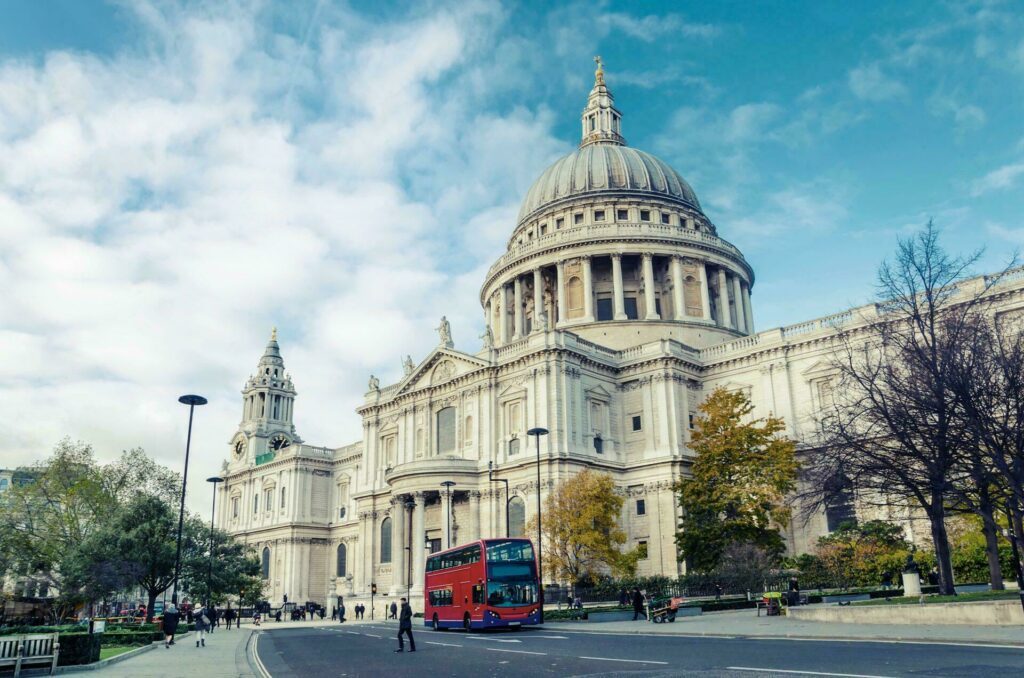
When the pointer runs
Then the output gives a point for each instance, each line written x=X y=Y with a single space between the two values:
x=478 y=593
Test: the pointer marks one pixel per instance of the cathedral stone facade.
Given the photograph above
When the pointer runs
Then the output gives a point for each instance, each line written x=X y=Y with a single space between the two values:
x=615 y=309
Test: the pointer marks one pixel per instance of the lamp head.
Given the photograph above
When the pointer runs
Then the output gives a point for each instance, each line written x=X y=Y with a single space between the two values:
x=192 y=400
x=215 y=480
x=537 y=432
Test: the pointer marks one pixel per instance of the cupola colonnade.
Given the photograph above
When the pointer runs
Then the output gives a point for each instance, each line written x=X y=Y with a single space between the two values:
x=619 y=286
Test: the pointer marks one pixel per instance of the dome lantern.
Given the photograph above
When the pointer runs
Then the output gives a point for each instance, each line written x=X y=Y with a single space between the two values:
x=601 y=121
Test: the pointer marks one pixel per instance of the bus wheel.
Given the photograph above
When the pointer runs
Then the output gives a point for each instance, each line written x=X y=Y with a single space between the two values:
x=437 y=626
x=465 y=622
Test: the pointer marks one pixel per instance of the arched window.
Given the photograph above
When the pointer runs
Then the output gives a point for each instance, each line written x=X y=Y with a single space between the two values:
x=342 y=554
x=516 y=517
x=446 y=430
x=691 y=297
x=839 y=505
x=266 y=562
x=574 y=297
x=467 y=432
x=385 y=541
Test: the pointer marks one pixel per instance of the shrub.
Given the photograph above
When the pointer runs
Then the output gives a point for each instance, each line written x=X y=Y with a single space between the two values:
x=78 y=648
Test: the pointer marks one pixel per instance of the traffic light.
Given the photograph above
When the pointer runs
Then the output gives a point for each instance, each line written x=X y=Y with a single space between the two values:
x=373 y=589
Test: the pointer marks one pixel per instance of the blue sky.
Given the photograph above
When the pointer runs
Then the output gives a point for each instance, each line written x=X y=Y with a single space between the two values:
x=176 y=179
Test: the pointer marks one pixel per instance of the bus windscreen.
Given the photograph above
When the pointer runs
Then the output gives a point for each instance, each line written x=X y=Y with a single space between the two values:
x=511 y=574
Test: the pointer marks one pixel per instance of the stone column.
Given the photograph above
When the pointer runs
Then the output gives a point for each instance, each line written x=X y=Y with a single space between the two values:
x=560 y=268
x=723 y=300
x=617 y=295
x=503 y=315
x=741 y=316
x=418 y=545
x=474 y=517
x=517 y=331
x=747 y=309
x=588 y=291
x=678 y=300
x=538 y=298
x=652 y=309
x=397 y=546
x=705 y=295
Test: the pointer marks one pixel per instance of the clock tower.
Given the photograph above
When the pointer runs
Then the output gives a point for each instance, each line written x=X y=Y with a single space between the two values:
x=267 y=401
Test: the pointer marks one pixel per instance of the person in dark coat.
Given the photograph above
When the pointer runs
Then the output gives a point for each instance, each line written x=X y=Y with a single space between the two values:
x=341 y=613
x=171 y=619
x=394 y=611
x=638 y=605
x=214 y=618
x=202 y=626
x=229 y=616
x=623 y=598
x=405 y=626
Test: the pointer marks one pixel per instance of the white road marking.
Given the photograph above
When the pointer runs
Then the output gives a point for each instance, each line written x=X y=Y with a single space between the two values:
x=495 y=640
x=501 y=649
x=633 y=661
x=372 y=635
x=551 y=637
x=891 y=642
x=256 y=655
x=804 y=673
x=430 y=642
x=353 y=633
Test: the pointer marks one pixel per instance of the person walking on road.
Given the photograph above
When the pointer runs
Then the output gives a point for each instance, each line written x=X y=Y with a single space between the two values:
x=202 y=626
x=229 y=616
x=394 y=610
x=405 y=626
x=341 y=613
x=638 y=605
x=171 y=618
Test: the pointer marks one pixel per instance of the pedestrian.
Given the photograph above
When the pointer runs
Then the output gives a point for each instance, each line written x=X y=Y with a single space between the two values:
x=214 y=619
x=202 y=626
x=229 y=616
x=322 y=610
x=171 y=617
x=394 y=610
x=638 y=605
x=334 y=613
x=718 y=591
x=405 y=626
x=886 y=580
x=341 y=612
x=255 y=618
x=623 y=597
x=277 y=617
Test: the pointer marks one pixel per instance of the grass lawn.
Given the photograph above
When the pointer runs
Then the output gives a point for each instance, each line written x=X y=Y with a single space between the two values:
x=113 y=651
x=962 y=598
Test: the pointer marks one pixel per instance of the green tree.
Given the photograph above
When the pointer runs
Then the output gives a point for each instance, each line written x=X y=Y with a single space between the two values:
x=233 y=567
x=740 y=476
x=581 y=531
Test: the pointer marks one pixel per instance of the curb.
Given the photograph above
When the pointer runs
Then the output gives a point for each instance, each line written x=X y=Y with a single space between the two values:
x=833 y=639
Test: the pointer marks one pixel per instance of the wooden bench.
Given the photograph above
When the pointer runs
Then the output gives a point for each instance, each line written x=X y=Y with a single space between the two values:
x=35 y=648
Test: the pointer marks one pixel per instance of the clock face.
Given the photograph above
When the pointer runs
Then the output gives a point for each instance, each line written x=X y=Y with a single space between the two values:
x=239 y=447
x=279 y=442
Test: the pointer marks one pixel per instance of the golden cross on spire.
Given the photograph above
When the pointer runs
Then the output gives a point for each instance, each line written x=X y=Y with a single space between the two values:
x=599 y=73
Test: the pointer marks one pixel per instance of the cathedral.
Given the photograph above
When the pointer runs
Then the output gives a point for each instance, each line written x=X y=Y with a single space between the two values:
x=615 y=309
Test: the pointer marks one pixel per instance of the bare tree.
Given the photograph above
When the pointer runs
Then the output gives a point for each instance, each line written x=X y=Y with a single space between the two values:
x=893 y=428
x=990 y=387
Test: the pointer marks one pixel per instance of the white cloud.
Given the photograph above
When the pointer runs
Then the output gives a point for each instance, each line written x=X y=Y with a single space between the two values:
x=650 y=28
x=1000 y=178
x=965 y=116
x=871 y=83
x=161 y=208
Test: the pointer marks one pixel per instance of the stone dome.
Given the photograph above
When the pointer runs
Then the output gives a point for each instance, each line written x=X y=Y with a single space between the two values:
x=606 y=167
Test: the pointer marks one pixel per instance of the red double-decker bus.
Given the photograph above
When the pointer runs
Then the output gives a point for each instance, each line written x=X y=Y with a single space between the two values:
x=487 y=584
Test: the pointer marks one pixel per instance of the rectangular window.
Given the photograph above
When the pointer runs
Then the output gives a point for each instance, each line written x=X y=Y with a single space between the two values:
x=598 y=445
x=559 y=223
x=637 y=422
x=629 y=305
x=691 y=420
x=642 y=547
x=622 y=215
x=641 y=507
x=604 y=308
x=341 y=513
x=282 y=497
x=598 y=215
x=665 y=218
x=543 y=229
x=234 y=507
x=478 y=594
x=577 y=218
x=435 y=545
x=268 y=500
x=645 y=215
x=440 y=598
x=255 y=503
x=513 y=446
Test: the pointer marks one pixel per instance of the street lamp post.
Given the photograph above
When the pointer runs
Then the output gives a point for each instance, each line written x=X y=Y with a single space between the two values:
x=192 y=401
x=410 y=505
x=490 y=476
x=538 y=432
x=213 y=512
x=448 y=485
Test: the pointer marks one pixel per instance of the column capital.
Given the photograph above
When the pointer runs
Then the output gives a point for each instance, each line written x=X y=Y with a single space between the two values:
x=616 y=255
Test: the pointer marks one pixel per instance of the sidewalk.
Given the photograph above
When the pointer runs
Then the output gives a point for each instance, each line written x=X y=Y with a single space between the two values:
x=224 y=655
x=746 y=624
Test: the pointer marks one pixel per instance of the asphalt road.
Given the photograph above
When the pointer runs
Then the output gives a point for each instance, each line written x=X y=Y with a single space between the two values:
x=368 y=650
